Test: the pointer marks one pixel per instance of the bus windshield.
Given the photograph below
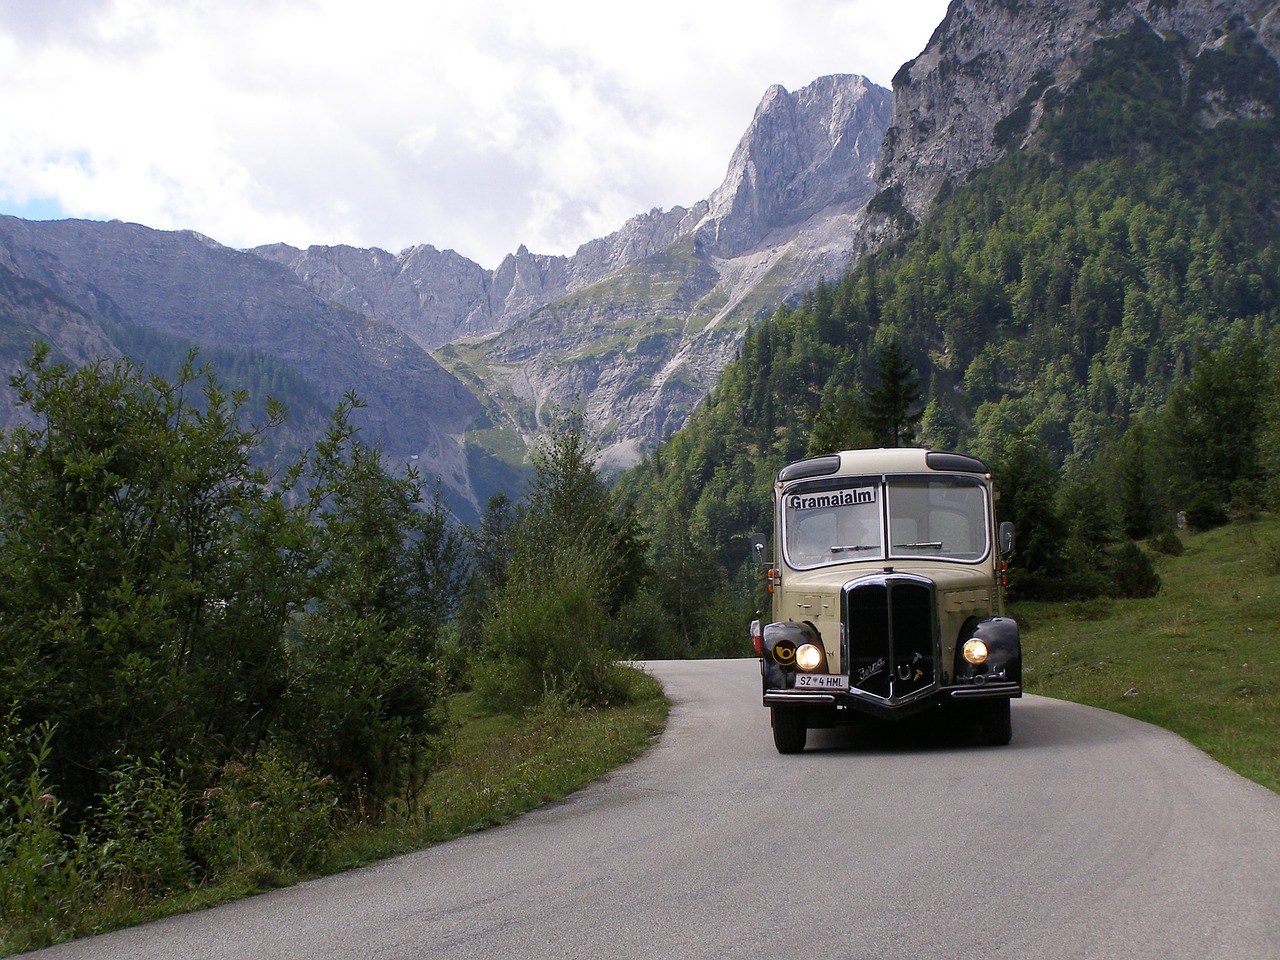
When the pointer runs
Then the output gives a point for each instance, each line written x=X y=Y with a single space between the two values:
x=927 y=517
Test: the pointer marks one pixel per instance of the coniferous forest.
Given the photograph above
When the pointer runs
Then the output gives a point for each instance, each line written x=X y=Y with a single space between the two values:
x=1094 y=315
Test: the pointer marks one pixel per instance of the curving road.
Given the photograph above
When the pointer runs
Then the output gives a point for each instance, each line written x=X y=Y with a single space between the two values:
x=1090 y=836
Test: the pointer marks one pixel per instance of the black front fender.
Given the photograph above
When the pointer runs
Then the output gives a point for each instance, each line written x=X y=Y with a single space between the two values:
x=1004 y=649
x=777 y=676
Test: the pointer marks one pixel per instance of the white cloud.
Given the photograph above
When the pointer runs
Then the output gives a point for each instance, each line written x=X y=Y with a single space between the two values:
x=473 y=126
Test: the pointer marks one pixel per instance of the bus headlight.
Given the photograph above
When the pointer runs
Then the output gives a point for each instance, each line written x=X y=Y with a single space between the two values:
x=975 y=652
x=809 y=657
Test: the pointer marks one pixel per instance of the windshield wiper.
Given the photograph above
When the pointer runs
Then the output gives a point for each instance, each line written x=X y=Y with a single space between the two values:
x=932 y=545
x=855 y=547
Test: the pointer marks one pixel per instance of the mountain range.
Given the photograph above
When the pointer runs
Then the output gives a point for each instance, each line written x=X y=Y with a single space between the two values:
x=462 y=367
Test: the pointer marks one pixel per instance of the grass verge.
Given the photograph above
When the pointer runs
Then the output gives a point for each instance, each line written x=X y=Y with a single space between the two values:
x=1201 y=658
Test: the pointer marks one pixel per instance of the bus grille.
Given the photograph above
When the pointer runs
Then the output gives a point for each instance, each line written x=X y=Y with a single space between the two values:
x=892 y=636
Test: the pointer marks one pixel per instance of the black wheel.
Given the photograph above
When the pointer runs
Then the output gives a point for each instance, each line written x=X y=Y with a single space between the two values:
x=790 y=729
x=997 y=723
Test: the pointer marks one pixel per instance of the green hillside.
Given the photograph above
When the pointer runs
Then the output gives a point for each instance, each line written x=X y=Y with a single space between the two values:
x=1201 y=659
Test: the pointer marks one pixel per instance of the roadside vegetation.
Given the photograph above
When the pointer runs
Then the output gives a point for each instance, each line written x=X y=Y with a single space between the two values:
x=498 y=766
x=220 y=676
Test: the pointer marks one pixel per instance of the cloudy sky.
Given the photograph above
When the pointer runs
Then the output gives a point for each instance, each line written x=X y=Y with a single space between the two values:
x=476 y=125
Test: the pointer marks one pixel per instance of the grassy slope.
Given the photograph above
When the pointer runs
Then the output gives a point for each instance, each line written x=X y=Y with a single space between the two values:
x=1202 y=658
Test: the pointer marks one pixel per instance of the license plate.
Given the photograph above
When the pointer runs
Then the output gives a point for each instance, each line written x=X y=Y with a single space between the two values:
x=821 y=681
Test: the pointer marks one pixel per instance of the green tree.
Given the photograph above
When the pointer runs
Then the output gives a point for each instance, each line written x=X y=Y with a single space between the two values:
x=686 y=575
x=840 y=423
x=940 y=426
x=569 y=507
x=439 y=562
x=892 y=402
x=1269 y=432
x=366 y=699
x=490 y=545
x=1028 y=482
x=1140 y=515
x=140 y=613
x=578 y=560
x=1212 y=425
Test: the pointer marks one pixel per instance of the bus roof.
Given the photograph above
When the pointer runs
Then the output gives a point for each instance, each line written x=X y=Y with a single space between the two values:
x=883 y=460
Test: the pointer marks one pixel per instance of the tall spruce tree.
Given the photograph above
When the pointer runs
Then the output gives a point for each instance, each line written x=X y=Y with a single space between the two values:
x=892 y=402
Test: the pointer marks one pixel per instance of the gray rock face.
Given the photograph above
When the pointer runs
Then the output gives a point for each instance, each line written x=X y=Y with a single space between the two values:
x=986 y=56
x=188 y=286
x=432 y=295
x=439 y=296
x=804 y=153
x=636 y=326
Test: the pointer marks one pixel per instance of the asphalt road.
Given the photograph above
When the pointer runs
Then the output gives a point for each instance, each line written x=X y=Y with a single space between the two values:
x=1090 y=836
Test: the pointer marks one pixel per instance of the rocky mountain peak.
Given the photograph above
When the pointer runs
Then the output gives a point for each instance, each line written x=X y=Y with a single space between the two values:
x=637 y=325
x=803 y=152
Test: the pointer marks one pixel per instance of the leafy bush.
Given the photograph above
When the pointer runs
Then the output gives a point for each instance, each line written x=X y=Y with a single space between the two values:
x=1205 y=512
x=141 y=832
x=142 y=611
x=578 y=560
x=549 y=636
x=1167 y=542
x=268 y=814
x=1133 y=575
x=723 y=630
x=42 y=874
x=642 y=629
x=364 y=707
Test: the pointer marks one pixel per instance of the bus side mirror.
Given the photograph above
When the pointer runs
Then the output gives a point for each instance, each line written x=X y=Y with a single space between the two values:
x=1006 y=537
x=759 y=546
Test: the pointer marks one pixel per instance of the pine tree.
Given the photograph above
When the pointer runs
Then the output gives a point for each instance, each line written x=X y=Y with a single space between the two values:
x=891 y=404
